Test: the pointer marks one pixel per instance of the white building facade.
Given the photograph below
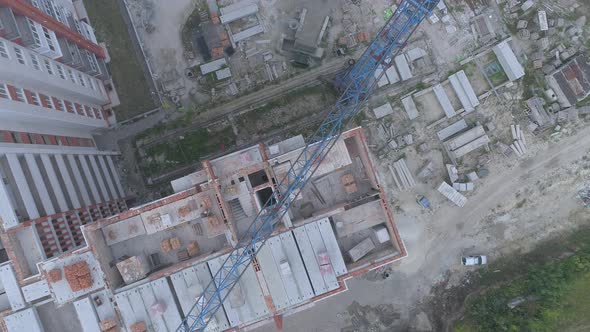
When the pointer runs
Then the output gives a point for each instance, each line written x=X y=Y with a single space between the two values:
x=55 y=91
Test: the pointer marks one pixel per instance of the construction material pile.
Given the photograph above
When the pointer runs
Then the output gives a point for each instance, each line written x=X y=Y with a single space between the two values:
x=78 y=276
x=139 y=327
x=54 y=275
x=108 y=325
x=519 y=143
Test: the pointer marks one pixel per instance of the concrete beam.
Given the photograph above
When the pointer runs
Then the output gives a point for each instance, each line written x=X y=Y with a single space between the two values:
x=79 y=181
x=109 y=180
x=100 y=179
x=23 y=186
x=40 y=184
x=52 y=149
x=55 y=185
x=65 y=175
x=115 y=176
x=7 y=212
x=90 y=179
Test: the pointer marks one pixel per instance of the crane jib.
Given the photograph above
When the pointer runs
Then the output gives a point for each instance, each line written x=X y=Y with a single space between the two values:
x=356 y=85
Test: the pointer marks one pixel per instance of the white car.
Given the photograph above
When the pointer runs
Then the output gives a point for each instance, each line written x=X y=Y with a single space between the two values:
x=474 y=260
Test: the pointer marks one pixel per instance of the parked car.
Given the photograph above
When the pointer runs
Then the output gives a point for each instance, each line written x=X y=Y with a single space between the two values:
x=474 y=260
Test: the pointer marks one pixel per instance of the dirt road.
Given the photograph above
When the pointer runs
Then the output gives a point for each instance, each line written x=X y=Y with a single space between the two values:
x=512 y=210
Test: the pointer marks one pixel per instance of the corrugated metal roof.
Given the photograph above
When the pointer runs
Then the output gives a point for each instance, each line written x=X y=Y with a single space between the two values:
x=403 y=67
x=212 y=66
x=237 y=11
x=443 y=100
x=223 y=73
x=508 y=61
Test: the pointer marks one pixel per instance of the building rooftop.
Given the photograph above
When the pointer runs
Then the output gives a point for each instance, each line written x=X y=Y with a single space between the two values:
x=571 y=82
x=154 y=260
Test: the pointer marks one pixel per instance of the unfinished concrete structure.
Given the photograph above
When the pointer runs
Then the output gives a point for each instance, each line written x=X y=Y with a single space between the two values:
x=154 y=260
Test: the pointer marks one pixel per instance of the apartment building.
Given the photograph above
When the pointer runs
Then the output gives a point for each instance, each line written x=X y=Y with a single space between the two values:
x=143 y=269
x=55 y=91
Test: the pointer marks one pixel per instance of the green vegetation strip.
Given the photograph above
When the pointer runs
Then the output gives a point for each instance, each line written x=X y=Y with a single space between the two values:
x=555 y=295
x=128 y=76
x=191 y=148
x=270 y=117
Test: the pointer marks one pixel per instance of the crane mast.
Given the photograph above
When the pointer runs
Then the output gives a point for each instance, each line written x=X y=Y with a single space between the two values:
x=356 y=85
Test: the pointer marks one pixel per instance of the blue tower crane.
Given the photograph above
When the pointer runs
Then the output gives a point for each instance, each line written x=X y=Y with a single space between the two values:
x=356 y=85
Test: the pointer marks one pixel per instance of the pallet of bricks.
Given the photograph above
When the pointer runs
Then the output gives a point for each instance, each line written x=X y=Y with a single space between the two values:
x=108 y=325
x=78 y=276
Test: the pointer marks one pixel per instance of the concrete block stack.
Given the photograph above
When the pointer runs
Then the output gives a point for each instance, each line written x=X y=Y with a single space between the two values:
x=165 y=246
x=349 y=184
x=193 y=249
x=78 y=276
x=519 y=143
x=175 y=243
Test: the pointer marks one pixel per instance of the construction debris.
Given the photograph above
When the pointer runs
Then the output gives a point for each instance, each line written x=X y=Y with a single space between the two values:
x=427 y=171
x=584 y=195
x=453 y=173
x=78 y=276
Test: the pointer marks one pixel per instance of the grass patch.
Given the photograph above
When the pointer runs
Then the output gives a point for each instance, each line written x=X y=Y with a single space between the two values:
x=187 y=33
x=163 y=127
x=556 y=291
x=359 y=118
x=128 y=75
x=283 y=111
x=191 y=148
x=498 y=78
x=583 y=102
x=533 y=81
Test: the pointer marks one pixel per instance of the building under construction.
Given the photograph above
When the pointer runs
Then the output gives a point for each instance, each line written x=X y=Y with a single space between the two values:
x=144 y=268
